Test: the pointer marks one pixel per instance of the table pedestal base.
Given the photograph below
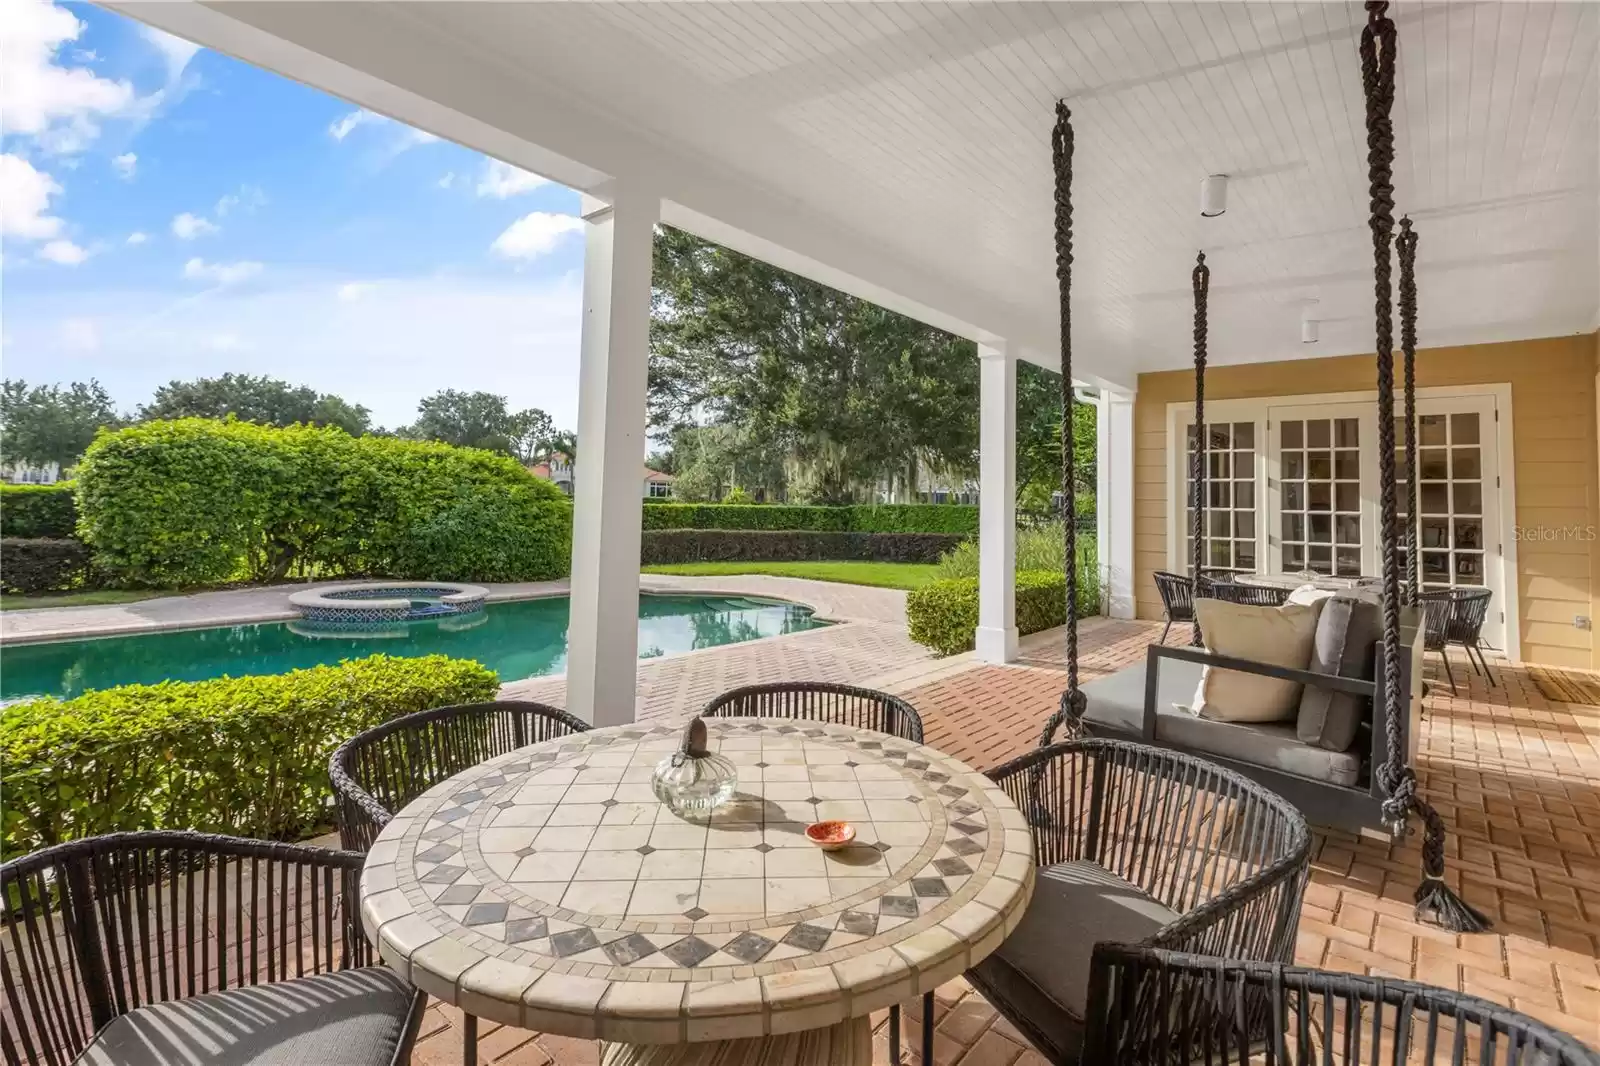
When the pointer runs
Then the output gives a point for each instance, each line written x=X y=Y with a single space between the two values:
x=847 y=1044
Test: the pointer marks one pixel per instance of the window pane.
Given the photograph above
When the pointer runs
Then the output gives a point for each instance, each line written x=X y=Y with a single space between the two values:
x=1469 y=533
x=1349 y=529
x=1244 y=554
x=1290 y=434
x=1346 y=433
x=1469 y=568
x=1436 y=566
x=1321 y=557
x=1435 y=499
x=1218 y=465
x=1433 y=464
x=1244 y=495
x=1321 y=496
x=1221 y=553
x=1347 y=497
x=1217 y=493
x=1318 y=433
x=1466 y=464
x=1218 y=436
x=1347 y=466
x=1220 y=523
x=1434 y=533
x=1294 y=496
x=1319 y=465
x=1294 y=557
x=1469 y=498
x=1294 y=465
x=1321 y=528
x=1294 y=526
x=1244 y=435
x=1464 y=428
x=1347 y=562
x=1430 y=430
x=1244 y=524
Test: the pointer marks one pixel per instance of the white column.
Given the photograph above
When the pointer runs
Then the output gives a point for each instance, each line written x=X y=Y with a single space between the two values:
x=1114 y=500
x=996 y=638
x=603 y=634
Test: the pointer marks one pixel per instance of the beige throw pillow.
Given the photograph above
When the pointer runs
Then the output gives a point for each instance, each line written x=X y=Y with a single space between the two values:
x=1278 y=636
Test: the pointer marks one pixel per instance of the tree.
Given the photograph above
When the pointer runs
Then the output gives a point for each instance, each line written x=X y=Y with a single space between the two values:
x=1039 y=440
x=263 y=400
x=50 y=424
x=529 y=432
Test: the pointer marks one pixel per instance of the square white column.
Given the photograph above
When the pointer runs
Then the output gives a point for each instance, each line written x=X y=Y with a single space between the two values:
x=1114 y=501
x=603 y=632
x=996 y=638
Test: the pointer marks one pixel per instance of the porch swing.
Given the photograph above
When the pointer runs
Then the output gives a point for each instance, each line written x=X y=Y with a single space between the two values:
x=1346 y=759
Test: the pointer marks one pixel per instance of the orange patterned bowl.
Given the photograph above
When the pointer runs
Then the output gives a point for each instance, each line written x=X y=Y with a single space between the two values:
x=830 y=836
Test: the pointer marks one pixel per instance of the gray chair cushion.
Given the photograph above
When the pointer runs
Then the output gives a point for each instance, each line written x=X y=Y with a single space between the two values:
x=1117 y=704
x=349 y=1018
x=1044 y=963
x=1342 y=648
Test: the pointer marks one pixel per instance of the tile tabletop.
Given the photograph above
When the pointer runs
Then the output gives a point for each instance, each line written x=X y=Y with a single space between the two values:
x=549 y=888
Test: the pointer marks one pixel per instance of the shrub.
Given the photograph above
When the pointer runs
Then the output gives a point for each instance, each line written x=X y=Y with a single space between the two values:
x=245 y=755
x=31 y=567
x=197 y=501
x=38 y=511
x=1041 y=547
x=661 y=547
x=942 y=615
x=862 y=518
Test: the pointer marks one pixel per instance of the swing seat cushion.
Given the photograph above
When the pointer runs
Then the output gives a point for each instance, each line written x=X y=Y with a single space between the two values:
x=1347 y=631
x=1116 y=706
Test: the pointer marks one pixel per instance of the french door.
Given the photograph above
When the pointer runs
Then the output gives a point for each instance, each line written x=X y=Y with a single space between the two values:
x=1321 y=471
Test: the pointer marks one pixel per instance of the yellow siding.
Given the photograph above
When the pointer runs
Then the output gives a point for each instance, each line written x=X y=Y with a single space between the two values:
x=1555 y=403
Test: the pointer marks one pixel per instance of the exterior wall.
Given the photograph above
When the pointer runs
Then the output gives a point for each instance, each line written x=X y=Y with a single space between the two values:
x=1554 y=385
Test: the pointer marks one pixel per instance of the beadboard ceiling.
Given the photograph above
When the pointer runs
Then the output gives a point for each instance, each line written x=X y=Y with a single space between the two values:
x=904 y=147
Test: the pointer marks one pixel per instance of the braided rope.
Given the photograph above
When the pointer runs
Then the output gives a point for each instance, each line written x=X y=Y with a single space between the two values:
x=1200 y=280
x=1070 y=711
x=1406 y=243
x=1398 y=779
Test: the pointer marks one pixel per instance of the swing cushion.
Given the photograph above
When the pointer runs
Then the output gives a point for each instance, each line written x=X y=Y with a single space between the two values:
x=1346 y=633
x=1278 y=636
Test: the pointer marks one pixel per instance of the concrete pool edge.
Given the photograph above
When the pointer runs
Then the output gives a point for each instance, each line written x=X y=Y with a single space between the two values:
x=830 y=602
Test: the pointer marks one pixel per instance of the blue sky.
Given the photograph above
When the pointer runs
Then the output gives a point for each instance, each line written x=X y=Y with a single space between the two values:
x=174 y=213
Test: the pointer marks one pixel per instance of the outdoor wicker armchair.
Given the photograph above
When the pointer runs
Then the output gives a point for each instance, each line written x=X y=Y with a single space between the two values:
x=377 y=772
x=1252 y=595
x=1150 y=1006
x=1177 y=597
x=1144 y=845
x=820 y=701
x=183 y=949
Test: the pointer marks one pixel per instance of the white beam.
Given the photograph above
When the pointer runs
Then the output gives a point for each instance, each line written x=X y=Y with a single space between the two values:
x=1114 y=501
x=996 y=638
x=603 y=633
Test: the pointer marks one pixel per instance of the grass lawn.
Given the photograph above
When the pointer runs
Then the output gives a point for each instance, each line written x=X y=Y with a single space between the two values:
x=880 y=575
x=91 y=598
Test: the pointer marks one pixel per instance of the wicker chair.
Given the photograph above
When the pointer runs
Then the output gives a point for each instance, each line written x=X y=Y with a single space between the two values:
x=1143 y=845
x=1150 y=1006
x=1253 y=595
x=820 y=701
x=1469 y=608
x=179 y=948
x=1177 y=598
x=377 y=772
x=1437 y=608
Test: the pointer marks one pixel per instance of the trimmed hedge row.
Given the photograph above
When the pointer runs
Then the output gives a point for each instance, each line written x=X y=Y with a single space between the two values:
x=197 y=501
x=942 y=615
x=34 y=566
x=245 y=755
x=861 y=518
x=666 y=546
x=38 y=510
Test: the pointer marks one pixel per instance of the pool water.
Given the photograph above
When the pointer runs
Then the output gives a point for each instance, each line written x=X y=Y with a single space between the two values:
x=527 y=638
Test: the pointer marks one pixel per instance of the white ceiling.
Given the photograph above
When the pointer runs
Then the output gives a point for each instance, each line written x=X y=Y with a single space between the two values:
x=902 y=149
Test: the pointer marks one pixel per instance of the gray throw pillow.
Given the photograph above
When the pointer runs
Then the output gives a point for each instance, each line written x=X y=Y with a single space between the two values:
x=1342 y=648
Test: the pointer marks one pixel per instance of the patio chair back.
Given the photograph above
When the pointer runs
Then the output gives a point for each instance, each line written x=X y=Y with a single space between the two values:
x=1469 y=608
x=377 y=772
x=1438 y=606
x=1252 y=595
x=1149 y=1006
x=97 y=928
x=1177 y=595
x=821 y=701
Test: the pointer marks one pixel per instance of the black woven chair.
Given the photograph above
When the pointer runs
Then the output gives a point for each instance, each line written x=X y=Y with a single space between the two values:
x=1470 y=606
x=821 y=701
x=1437 y=607
x=1151 y=1006
x=1177 y=597
x=1143 y=845
x=182 y=949
x=1247 y=593
x=377 y=772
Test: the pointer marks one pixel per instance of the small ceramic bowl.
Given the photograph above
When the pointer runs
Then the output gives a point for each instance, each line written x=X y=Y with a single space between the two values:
x=831 y=836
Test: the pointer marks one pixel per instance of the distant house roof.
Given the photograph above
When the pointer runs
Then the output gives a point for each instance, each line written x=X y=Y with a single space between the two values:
x=656 y=475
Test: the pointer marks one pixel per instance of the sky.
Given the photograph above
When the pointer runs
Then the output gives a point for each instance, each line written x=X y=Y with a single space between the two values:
x=168 y=212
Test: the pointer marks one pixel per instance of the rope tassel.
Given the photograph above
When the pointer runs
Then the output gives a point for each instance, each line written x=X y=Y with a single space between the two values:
x=1435 y=900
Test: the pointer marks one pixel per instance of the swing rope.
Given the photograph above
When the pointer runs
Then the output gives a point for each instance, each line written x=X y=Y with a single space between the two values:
x=1406 y=244
x=1201 y=283
x=1073 y=703
x=1434 y=898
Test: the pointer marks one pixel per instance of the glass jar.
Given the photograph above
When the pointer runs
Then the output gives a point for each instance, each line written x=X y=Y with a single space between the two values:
x=694 y=780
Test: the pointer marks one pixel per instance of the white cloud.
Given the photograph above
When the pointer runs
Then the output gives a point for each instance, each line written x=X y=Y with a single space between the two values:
x=343 y=127
x=137 y=237
x=60 y=106
x=63 y=252
x=80 y=335
x=501 y=180
x=404 y=139
x=448 y=180
x=187 y=227
x=24 y=200
x=352 y=291
x=174 y=50
x=125 y=165
x=249 y=197
x=535 y=234
x=220 y=273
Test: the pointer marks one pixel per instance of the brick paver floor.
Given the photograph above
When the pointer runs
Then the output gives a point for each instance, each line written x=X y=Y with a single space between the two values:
x=1516 y=777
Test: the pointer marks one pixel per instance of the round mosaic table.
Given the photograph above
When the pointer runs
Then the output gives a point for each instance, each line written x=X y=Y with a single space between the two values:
x=549 y=889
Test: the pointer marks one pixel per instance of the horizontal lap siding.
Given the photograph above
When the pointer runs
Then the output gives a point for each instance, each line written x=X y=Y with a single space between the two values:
x=1554 y=406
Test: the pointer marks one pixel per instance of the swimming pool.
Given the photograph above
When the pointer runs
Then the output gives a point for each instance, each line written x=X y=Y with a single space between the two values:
x=527 y=638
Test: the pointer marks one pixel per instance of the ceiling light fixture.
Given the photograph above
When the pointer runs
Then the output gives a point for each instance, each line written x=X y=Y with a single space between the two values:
x=1213 y=195
x=1310 y=328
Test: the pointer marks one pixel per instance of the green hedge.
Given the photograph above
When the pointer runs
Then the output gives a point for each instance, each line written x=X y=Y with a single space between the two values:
x=862 y=518
x=942 y=615
x=38 y=511
x=198 y=501
x=245 y=755
x=666 y=546
x=38 y=565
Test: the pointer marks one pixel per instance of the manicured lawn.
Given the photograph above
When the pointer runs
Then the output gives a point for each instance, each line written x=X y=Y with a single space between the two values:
x=881 y=575
x=92 y=598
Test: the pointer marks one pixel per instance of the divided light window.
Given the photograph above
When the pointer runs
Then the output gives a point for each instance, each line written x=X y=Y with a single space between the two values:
x=1450 y=533
x=1230 y=534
